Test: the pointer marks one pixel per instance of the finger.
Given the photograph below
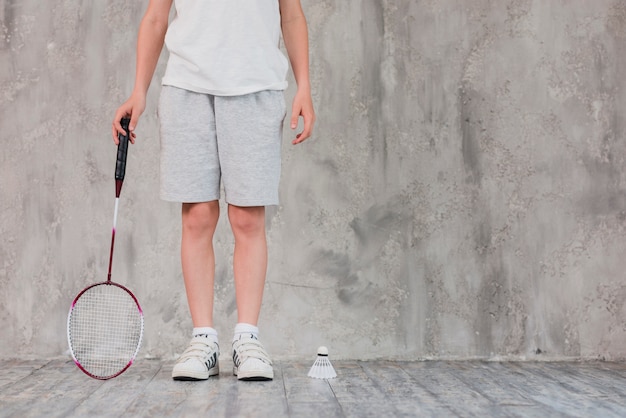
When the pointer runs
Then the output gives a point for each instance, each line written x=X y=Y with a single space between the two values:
x=306 y=132
x=117 y=127
x=301 y=137
x=131 y=126
x=131 y=136
x=295 y=114
x=114 y=133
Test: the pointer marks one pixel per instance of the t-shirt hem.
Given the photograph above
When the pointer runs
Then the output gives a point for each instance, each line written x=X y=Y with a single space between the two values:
x=223 y=92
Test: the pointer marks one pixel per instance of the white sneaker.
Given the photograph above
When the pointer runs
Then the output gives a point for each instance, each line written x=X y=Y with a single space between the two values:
x=198 y=361
x=250 y=360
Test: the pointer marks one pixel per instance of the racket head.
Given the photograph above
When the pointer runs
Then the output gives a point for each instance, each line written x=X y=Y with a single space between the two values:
x=104 y=329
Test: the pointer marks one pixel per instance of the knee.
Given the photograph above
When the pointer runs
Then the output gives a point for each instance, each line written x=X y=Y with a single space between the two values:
x=247 y=221
x=200 y=218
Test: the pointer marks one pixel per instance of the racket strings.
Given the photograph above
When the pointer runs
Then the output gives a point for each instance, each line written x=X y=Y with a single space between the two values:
x=105 y=330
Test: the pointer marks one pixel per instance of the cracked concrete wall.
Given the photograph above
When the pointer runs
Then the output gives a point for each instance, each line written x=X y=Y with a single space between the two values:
x=463 y=195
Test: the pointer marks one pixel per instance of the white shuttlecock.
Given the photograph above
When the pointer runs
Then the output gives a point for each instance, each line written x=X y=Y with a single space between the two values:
x=322 y=369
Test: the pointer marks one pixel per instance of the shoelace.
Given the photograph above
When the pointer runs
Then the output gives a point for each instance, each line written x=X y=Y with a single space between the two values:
x=250 y=348
x=198 y=348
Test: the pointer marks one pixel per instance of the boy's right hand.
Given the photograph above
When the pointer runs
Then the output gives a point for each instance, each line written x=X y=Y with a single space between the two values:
x=131 y=108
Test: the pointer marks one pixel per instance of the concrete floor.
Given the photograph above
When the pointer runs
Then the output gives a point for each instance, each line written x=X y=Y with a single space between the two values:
x=56 y=388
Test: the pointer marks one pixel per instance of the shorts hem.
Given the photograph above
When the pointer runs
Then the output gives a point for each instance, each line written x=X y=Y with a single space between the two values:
x=252 y=202
x=181 y=199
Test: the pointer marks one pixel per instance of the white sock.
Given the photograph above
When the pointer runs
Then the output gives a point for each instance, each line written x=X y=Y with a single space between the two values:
x=242 y=329
x=208 y=332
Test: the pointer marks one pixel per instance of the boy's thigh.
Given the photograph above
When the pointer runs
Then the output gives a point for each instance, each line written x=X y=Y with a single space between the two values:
x=190 y=167
x=249 y=135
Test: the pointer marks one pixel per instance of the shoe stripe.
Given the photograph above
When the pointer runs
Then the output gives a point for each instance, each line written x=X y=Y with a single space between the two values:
x=211 y=361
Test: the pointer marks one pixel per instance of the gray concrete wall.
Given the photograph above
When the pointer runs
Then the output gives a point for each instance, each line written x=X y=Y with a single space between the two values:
x=464 y=195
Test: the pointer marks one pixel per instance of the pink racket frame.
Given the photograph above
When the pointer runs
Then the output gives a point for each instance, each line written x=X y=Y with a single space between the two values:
x=131 y=361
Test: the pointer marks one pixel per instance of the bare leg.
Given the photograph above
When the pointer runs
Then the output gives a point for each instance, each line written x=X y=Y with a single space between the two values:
x=250 y=260
x=198 y=259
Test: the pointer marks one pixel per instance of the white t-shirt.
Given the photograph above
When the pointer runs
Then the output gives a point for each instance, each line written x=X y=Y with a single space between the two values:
x=225 y=47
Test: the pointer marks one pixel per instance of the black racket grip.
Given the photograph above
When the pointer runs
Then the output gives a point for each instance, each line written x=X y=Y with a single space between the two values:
x=122 y=151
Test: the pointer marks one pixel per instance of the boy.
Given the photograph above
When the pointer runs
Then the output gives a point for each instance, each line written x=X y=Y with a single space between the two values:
x=221 y=111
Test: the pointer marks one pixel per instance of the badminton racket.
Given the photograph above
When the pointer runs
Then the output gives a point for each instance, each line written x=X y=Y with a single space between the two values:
x=105 y=322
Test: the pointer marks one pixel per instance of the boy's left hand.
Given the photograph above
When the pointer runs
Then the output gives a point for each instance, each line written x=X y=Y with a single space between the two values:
x=302 y=106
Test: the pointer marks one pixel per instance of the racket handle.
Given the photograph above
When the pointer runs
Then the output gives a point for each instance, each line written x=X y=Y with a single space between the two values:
x=122 y=151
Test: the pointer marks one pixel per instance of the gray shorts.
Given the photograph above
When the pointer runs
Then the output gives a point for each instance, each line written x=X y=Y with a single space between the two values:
x=235 y=139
